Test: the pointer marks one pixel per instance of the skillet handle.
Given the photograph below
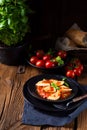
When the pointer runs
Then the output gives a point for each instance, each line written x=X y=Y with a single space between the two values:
x=79 y=98
x=76 y=99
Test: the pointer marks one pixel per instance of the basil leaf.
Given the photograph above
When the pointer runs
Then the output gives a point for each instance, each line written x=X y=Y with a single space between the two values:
x=59 y=60
x=55 y=86
x=65 y=83
x=14 y=21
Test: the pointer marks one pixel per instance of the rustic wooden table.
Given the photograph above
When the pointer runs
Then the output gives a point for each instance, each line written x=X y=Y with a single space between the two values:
x=12 y=101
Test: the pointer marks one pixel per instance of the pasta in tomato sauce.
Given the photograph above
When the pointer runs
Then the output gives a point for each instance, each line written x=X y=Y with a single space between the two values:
x=53 y=89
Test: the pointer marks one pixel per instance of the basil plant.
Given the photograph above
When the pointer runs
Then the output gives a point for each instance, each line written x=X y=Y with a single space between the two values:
x=14 y=23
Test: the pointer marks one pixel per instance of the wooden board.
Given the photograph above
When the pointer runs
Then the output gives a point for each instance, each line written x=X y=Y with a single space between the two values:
x=12 y=101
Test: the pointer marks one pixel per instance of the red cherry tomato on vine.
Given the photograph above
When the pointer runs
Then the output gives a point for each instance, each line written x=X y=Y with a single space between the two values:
x=62 y=54
x=40 y=53
x=70 y=73
x=81 y=67
x=49 y=64
x=77 y=71
x=40 y=63
x=46 y=57
x=33 y=59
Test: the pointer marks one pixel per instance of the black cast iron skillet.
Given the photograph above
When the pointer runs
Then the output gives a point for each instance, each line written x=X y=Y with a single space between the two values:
x=33 y=92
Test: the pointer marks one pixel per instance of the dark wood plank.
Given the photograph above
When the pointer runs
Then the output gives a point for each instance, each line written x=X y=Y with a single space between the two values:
x=11 y=98
x=66 y=127
x=82 y=118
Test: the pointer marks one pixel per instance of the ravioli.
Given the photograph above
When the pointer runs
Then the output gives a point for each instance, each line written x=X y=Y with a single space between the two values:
x=53 y=89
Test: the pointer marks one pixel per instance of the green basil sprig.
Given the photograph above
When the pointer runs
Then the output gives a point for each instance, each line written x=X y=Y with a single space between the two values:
x=55 y=86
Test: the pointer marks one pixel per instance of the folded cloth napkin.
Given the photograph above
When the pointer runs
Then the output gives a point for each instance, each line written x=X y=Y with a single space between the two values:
x=33 y=116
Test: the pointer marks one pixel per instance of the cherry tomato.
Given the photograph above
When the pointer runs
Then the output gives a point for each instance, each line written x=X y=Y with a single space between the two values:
x=77 y=71
x=80 y=67
x=62 y=54
x=40 y=63
x=70 y=73
x=33 y=59
x=39 y=53
x=49 y=64
x=46 y=57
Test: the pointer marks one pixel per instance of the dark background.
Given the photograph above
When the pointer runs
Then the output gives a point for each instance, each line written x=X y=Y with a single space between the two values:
x=51 y=18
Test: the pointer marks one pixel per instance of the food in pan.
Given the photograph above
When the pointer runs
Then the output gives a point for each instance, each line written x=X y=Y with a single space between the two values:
x=53 y=89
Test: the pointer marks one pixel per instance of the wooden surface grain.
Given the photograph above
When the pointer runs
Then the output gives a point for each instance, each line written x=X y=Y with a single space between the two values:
x=12 y=80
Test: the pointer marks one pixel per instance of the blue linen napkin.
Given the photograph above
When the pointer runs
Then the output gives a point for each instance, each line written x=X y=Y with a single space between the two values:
x=33 y=116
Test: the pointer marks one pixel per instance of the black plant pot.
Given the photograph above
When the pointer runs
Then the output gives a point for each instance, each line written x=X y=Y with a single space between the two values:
x=13 y=55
